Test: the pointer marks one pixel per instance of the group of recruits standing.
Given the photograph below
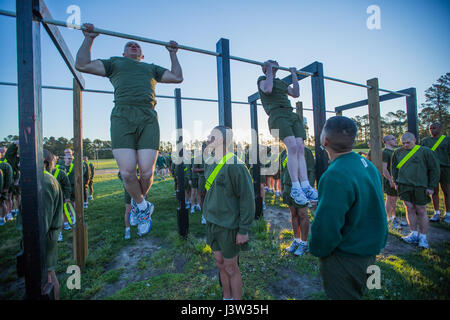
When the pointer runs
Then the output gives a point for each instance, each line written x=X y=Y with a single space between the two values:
x=349 y=227
x=58 y=194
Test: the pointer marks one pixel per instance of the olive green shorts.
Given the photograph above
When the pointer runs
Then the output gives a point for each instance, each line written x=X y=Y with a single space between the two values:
x=126 y=196
x=223 y=240
x=288 y=123
x=414 y=195
x=445 y=175
x=388 y=189
x=287 y=198
x=134 y=127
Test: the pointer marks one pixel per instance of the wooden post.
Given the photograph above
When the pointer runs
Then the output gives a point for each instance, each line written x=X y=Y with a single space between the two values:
x=224 y=82
x=411 y=111
x=318 y=98
x=375 y=124
x=255 y=162
x=30 y=144
x=80 y=231
x=182 y=212
x=299 y=110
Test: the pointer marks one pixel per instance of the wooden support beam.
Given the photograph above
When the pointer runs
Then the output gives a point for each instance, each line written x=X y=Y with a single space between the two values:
x=254 y=159
x=182 y=212
x=30 y=144
x=59 y=42
x=80 y=231
x=299 y=110
x=224 y=82
x=411 y=112
x=375 y=124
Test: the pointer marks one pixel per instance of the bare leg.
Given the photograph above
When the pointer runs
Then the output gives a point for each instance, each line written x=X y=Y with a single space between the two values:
x=127 y=160
x=292 y=157
x=146 y=159
x=224 y=278
x=422 y=219
x=411 y=215
x=127 y=211
x=295 y=222
x=303 y=218
x=390 y=206
x=446 y=191
x=302 y=171
x=435 y=198
x=53 y=279
x=234 y=274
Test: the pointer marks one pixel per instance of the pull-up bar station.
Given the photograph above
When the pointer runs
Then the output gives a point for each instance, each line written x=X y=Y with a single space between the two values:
x=29 y=17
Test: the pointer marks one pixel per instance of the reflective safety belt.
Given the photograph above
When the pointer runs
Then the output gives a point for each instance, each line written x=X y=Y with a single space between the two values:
x=216 y=170
x=409 y=155
x=56 y=173
x=70 y=213
x=70 y=169
x=3 y=161
x=438 y=143
x=284 y=162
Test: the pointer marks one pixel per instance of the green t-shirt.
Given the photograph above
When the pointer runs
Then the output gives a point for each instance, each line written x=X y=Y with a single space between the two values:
x=7 y=175
x=442 y=151
x=350 y=217
x=387 y=157
x=278 y=98
x=133 y=81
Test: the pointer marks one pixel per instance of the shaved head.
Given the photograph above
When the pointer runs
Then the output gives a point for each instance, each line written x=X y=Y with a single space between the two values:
x=339 y=134
x=408 y=136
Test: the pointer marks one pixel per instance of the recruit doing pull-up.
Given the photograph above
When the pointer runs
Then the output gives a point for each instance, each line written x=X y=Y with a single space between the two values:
x=134 y=121
x=274 y=97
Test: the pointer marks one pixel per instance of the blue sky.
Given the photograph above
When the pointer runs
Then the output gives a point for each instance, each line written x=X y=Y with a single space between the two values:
x=410 y=50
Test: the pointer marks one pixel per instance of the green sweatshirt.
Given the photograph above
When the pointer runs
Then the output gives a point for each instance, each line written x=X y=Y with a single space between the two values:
x=12 y=156
x=64 y=182
x=421 y=170
x=91 y=171
x=350 y=218
x=7 y=175
x=230 y=202
x=442 y=151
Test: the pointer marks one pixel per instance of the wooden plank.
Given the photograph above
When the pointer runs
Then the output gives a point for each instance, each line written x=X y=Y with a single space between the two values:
x=299 y=110
x=254 y=158
x=30 y=144
x=79 y=232
x=224 y=82
x=182 y=212
x=375 y=124
x=59 y=43
x=365 y=102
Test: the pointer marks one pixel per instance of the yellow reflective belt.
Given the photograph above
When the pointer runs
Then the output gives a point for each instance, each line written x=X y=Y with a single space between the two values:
x=4 y=161
x=67 y=213
x=409 y=155
x=438 y=143
x=185 y=169
x=56 y=173
x=216 y=171
x=70 y=169
x=46 y=172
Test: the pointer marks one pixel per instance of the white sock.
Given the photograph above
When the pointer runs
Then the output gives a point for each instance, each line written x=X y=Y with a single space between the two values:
x=415 y=233
x=297 y=240
x=127 y=229
x=66 y=223
x=437 y=212
x=304 y=242
x=295 y=185
x=142 y=205
x=422 y=236
x=228 y=299
x=305 y=184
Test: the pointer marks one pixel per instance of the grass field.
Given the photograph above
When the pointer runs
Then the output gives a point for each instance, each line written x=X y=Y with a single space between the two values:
x=161 y=265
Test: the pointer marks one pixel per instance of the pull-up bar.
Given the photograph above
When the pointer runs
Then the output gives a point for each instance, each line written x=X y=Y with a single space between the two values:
x=187 y=48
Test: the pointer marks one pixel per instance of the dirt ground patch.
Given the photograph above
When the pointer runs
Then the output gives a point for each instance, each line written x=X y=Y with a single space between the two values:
x=295 y=286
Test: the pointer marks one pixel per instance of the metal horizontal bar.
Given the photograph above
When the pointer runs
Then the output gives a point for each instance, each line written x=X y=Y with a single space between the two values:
x=213 y=53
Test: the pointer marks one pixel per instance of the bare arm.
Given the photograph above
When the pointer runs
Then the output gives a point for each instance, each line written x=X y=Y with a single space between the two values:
x=266 y=86
x=83 y=61
x=386 y=174
x=294 y=91
x=175 y=75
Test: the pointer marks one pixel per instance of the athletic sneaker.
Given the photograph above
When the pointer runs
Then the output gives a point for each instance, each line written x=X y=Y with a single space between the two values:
x=193 y=209
x=301 y=250
x=60 y=237
x=127 y=234
x=264 y=206
x=145 y=219
x=411 y=239
x=188 y=205
x=294 y=245
x=85 y=205
x=132 y=218
x=203 y=220
x=2 y=221
x=91 y=197
x=66 y=226
x=311 y=193
x=423 y=243
x=447 y=218
x=144 y=227
x=9 y=217
x=299 y=196
x=395 y=224
x=435 y=218
x=403 y=223
x=197 y=207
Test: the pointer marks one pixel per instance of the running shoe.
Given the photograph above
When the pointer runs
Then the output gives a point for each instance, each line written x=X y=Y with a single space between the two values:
x=395 y=224
x=127 y=234
x=299 y=196
x=145 y=219
x=2 y=221
x=197 y=207
x=193 y=209
x=411 y=239
x=301 y=250
x=85 y=205
x=91 y=197
x=132 y=218
x=311 y=193
x=264 y=206
x=435 y=218
x=294 y=245
x=67 y=226
x=447 y=218
x=203 y=220
x=60 y=237
x=423 y=243
x=403 y=223
x=9 y=217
